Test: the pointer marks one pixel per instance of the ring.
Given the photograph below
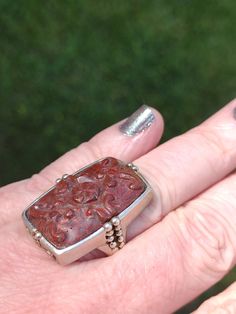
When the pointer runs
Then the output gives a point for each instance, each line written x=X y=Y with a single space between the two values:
x=88 y=210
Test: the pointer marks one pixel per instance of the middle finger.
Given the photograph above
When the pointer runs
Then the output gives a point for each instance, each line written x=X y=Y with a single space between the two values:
x=183 y=167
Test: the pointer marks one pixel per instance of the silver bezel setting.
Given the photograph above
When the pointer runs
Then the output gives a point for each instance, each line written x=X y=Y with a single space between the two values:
x=98 y=238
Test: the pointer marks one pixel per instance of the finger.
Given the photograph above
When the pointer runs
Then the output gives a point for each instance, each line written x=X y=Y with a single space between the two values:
x=126 y=140
x=189 y=251
x=188 y=164
x=224 y=302
x=159 y=271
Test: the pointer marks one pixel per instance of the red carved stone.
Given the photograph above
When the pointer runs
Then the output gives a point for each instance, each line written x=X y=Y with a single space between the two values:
x=80 y=204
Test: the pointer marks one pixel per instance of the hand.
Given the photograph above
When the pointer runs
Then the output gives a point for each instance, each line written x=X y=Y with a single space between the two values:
x=170 y=262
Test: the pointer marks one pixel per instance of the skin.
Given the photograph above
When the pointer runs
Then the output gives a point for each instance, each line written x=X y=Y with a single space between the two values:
x=182 y=244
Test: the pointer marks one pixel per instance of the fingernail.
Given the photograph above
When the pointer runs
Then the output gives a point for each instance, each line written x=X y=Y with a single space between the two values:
x=139 y=121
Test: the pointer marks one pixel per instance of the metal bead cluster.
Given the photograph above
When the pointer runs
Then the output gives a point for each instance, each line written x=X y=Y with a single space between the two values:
x=62 y=178
x=36 y=236
x=132 y=166
x=114 y=234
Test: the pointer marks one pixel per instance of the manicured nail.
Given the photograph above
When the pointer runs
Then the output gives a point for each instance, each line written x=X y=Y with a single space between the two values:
x=138 y=121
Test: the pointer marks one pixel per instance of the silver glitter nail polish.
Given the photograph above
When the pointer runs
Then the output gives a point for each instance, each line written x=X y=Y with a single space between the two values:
x=138 y=121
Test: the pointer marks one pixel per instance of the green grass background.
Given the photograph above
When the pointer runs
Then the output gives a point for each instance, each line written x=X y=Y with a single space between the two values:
x=70 y=68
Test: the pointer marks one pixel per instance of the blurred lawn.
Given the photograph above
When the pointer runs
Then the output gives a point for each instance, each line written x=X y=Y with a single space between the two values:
x=69 y=69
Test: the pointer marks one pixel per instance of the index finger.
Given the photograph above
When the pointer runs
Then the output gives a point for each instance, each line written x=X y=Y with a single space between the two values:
x=140 y=133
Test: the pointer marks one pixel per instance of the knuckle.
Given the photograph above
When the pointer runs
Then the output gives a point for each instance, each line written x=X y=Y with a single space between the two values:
x=87 y=151
x=220 y=147
x=210 y=238
x=219 y=139
x=37 y=183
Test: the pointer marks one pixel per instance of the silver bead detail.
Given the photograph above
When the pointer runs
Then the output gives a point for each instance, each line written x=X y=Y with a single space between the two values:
x=121 y=239
x=121 y=245
x=58 y=180
x=49 y=253
x=115 y=221
x=132 y=166
x=110 y=233
x=114 y=234
x=108 y=227
x=113 y=245
x=65 y=176
x=37 y=236
x=119 y=233
x=110 y=239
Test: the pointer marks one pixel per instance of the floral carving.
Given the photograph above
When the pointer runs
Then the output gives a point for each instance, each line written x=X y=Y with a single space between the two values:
x=80 y=204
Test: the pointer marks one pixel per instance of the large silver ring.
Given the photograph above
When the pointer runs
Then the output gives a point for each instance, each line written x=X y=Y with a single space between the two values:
x=88 y=210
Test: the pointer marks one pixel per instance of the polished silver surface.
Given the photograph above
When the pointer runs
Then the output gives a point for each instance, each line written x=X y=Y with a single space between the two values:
x=116 y=228
x=138 y=121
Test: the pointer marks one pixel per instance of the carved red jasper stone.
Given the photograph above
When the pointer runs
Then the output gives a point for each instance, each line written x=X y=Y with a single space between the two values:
x=81 y=203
